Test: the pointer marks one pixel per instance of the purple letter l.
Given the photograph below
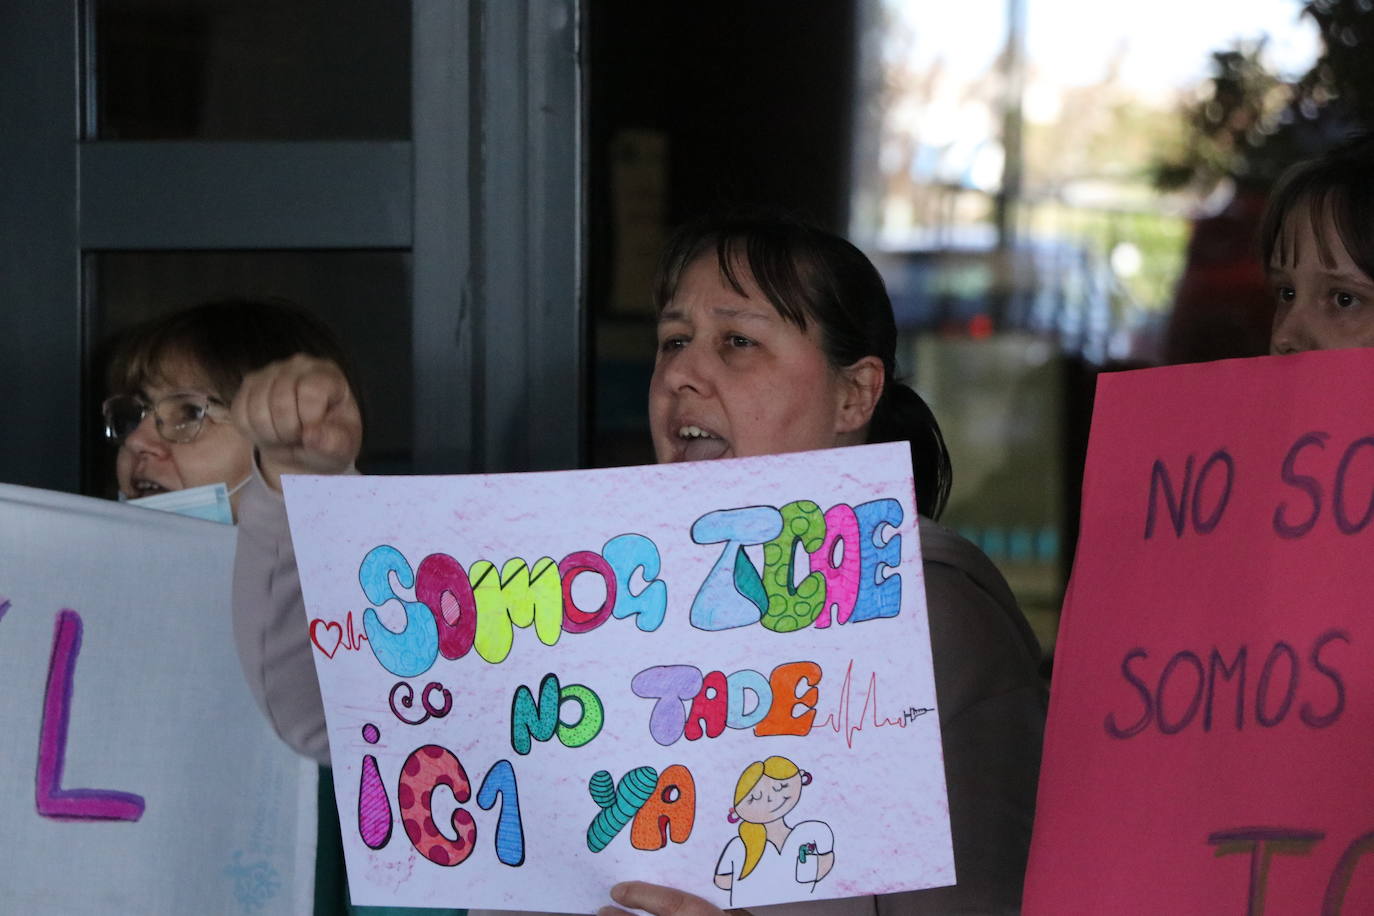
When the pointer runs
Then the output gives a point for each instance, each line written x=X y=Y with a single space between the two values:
x=53 y=800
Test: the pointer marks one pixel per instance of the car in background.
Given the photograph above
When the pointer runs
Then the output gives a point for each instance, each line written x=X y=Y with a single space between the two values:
x=1058 y=289
x=996 y=340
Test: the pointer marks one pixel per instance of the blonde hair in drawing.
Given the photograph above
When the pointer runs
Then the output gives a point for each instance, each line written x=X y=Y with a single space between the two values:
x=753 y=834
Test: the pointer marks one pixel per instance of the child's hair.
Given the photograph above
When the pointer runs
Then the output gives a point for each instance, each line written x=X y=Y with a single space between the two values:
x=755 y=836
x=1337 y=188
x=224 y=341
x=808 y=274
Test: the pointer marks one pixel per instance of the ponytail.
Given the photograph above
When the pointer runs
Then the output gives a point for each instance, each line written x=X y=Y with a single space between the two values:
x=901 y=414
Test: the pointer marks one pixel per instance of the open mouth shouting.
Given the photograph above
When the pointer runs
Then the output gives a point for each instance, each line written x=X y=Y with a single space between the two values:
x=698 y=444
x=142 y=486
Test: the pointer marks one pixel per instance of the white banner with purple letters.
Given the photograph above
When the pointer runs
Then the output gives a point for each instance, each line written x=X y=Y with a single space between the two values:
x=136 y=773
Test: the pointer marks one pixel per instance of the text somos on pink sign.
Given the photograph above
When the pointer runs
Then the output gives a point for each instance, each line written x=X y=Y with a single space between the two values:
x=1209 y=741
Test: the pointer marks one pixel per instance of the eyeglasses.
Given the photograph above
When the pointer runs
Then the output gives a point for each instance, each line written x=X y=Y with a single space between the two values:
x=178 y=417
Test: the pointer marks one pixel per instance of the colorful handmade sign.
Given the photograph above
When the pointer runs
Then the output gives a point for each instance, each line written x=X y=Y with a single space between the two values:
x=713 y=676
x=1208 y=747
x=136 y=774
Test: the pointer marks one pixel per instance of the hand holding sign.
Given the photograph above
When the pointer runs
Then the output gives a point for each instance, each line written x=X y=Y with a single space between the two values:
x=659 y=900
x=301 y=416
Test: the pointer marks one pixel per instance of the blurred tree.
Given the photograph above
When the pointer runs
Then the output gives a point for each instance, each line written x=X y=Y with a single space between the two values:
x=1241 y=132
x=1343 y=77
x=1248 y=123
x=1230 y=125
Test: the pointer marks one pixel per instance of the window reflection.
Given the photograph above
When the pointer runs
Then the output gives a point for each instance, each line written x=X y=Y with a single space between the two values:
x=1032 y=191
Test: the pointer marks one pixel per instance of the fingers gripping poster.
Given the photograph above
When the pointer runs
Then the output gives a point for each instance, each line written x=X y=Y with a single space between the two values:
x=712 y=676
x=136 y=773
x=1209 y=743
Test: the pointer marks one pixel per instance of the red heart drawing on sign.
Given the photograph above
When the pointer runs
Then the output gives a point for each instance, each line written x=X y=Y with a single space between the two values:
x=337 y=629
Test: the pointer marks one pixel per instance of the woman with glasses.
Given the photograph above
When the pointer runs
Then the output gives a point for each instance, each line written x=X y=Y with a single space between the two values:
x=172 y=381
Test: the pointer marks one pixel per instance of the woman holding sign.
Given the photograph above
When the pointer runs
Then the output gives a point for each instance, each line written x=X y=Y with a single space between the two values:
x=773 y=337
x=171 y=381
x=776 y=337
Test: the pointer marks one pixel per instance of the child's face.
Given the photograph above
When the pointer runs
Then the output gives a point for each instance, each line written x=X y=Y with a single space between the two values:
x=1323 y=300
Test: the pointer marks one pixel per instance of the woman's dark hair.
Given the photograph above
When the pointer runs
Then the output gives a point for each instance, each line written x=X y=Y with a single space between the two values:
x=224 y=341
x=808 y=274
x=1338 y=184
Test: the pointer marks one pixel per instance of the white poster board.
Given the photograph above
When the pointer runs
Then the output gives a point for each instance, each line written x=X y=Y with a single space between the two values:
x=136 y=774
x=540 y=684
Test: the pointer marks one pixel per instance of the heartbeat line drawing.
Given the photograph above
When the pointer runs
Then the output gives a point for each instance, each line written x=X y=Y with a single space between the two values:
x=842 y=722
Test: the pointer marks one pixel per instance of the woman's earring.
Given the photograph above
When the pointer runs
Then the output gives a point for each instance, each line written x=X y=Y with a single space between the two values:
x=806 y=778
x=732 y=817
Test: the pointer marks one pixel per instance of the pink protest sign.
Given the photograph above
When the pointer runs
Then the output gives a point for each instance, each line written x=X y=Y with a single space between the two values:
x=1210 y=745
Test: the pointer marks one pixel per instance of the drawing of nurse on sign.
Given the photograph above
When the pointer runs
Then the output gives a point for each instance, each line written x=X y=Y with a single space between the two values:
x=768 y=858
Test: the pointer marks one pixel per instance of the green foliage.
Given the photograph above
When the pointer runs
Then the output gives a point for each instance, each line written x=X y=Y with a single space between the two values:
x=1229 y=129
x=1250 y=123
x=1345 y=71
x=1160 y=237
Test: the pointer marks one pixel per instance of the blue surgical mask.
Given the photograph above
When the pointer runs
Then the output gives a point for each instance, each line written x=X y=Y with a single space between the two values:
x=210 y=502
